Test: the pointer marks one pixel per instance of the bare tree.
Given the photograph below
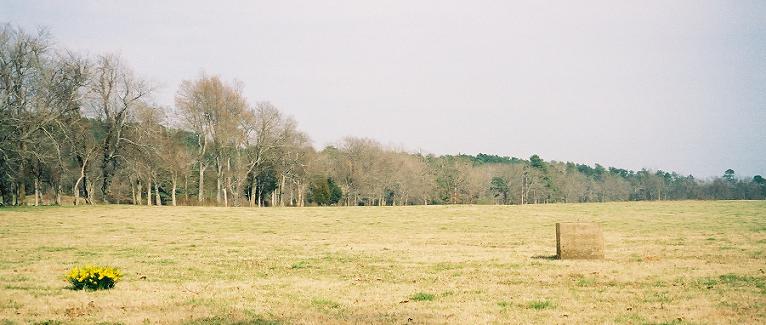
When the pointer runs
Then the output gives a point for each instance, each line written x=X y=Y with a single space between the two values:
x=263 y=141
x=39 y=96
x=114 y=94
x=213 y=111
x=413 y=179
x=290 y=160
x=176 y=158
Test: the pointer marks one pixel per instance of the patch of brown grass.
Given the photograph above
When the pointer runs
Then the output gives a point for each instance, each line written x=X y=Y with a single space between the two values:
x=465 y=264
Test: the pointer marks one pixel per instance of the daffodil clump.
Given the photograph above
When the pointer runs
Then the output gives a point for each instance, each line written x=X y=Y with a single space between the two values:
x=93 y=277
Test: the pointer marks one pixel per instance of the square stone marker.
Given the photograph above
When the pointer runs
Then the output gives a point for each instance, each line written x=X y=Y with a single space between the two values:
x=579 y=240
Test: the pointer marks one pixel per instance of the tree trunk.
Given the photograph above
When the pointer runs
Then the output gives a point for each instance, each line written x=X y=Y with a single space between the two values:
x=273 y=197
x=258 y=193
x=21 y=198
x=523 y=181
x=173 y=192
x=21 y=189
x=201 y=191
x=76 y=189
x=218 y=180
x=228 y=187
x=107 y=162
x=218 y=190
x=282 y=191
x=89 y=192
x=37 y=191
x=300 y=196
x=225 y=196
x=226 y=190
x=149 y=191
x=157 y=193
x=132 y=190
x=58 y=193
x=235 y=194
x=252 y=195
x=139 y=197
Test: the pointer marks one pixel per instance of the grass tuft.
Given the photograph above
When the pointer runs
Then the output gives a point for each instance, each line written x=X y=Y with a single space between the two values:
x=743 y=280
x=585 y=282
x=540 y=304
x=325 y=304
x=299 y=265
x=422 y=296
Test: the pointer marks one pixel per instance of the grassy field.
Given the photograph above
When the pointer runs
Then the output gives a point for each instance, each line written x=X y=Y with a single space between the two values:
x=666 y=262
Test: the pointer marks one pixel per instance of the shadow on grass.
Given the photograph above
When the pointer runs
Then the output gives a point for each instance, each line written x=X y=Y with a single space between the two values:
x=546 y=257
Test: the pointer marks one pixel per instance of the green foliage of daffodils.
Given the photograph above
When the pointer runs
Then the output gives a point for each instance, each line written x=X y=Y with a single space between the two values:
x=93 y=277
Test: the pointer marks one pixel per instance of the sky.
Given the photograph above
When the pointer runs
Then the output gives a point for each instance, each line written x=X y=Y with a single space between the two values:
x=671 y=85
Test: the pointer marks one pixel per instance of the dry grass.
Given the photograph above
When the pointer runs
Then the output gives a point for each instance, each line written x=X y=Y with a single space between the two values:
x=666 y=262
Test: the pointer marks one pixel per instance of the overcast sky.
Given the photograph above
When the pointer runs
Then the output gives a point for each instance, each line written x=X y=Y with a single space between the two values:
x=674 y=85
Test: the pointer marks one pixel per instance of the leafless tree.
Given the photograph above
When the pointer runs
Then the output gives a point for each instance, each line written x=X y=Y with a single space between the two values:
x=114 y=94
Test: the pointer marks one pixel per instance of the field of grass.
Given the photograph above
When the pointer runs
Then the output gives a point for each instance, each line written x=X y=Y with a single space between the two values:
x=666 y=262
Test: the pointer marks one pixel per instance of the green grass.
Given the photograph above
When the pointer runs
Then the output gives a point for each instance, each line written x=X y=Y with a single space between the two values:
x=422 y=296
x=49 y=322
x=299 y=265
x=744 y=280
x=540 y=304
x=585 y=282
x=434 y=264
x=323 y=303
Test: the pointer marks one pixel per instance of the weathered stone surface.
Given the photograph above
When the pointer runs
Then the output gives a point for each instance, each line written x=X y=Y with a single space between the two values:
x=579 y=240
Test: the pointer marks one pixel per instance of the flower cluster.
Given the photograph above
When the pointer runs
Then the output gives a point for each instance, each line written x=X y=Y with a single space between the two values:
x=93 y=277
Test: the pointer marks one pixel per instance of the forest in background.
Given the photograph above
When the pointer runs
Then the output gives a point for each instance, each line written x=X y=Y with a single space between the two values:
x=85 y=129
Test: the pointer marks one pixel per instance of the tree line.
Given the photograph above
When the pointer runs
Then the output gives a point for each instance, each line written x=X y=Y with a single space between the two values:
x=84 y=130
